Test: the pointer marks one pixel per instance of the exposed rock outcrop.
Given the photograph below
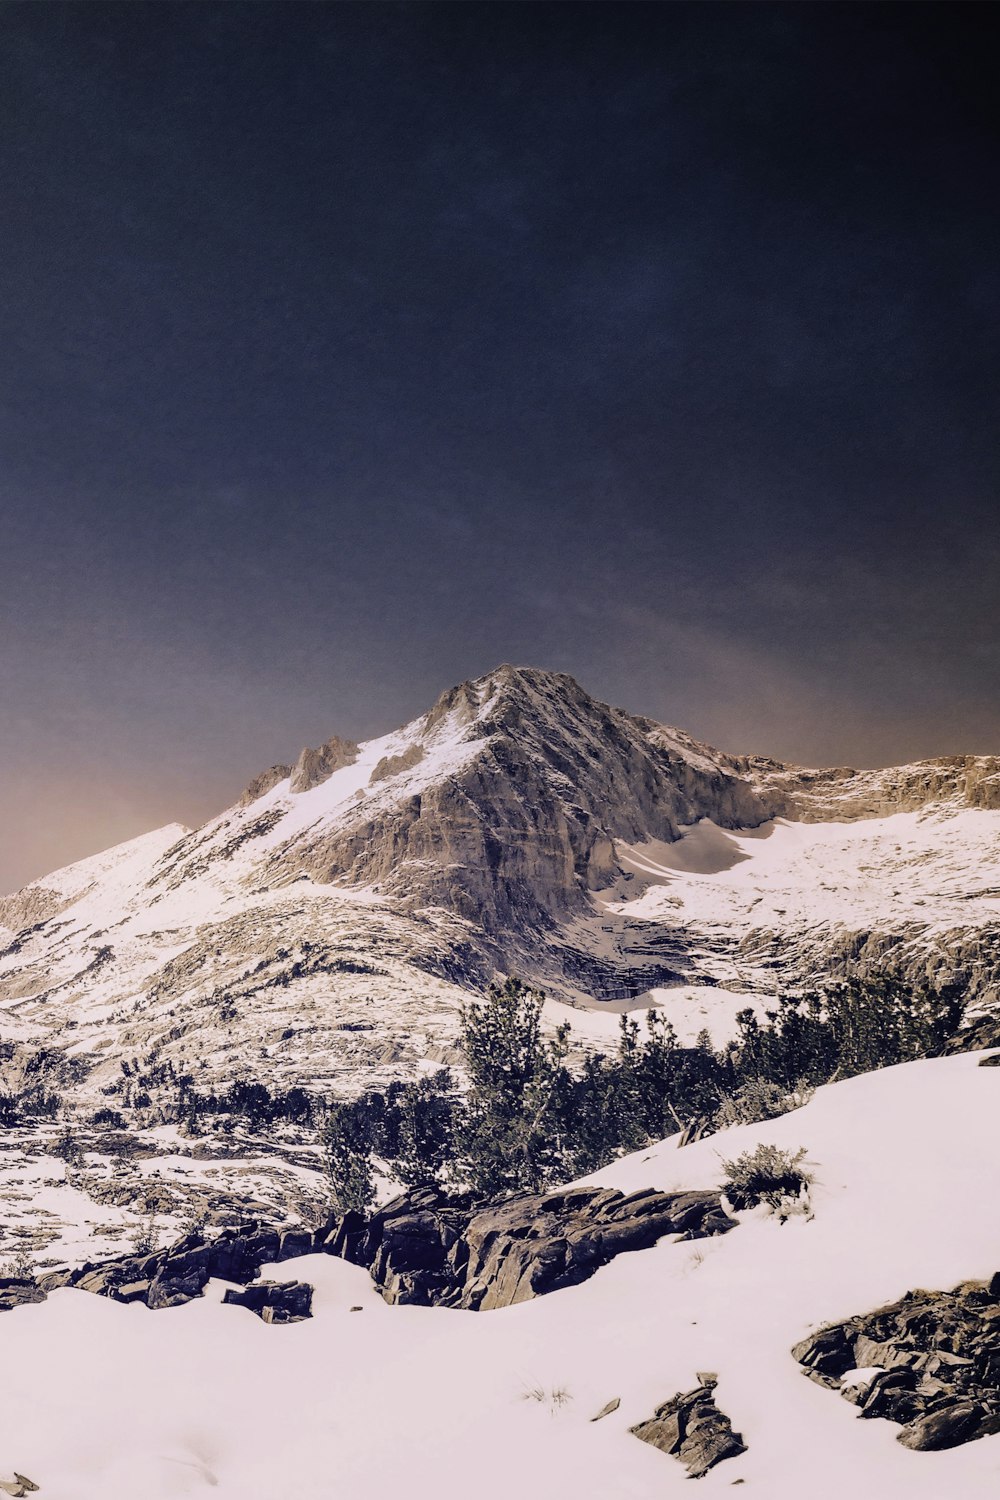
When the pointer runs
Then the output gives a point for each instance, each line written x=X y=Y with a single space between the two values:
x=843 y=794
x=263 y=783
x=275 y=1301
x=19 y=1486
x=31 y=907
x=313 y=767
x=18 y=1291
x=425 y=1248
x=432 y=1250
x=395 y=765
x=692 y=1428
x=930 y=1361
x=169 y=1277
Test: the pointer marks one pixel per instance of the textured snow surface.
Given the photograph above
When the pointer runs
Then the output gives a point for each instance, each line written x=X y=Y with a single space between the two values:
x=100 y=1401
x=939 y=866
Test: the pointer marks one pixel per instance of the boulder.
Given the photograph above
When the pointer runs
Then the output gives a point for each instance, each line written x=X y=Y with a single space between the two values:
x=893 y=1394
x=693 y=1428
x=944 y=1428
x=19 y=1486
x=51 y=1281
x=167 y=1290
x=18 y=1291
x=829 y=1353
x=132 y=1291
x=238 y=1254
x=275 y=1301
x=295 y=1242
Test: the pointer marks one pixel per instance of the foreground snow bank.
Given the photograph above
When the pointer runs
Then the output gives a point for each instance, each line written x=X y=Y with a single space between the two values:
x=103 y=1400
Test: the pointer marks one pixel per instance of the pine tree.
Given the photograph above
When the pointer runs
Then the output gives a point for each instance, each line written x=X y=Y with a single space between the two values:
x=425 y=1130
x=348 y=1163
x=509 y=1136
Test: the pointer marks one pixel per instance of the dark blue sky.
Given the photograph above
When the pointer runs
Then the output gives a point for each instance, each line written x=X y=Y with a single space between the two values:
x=346 y=351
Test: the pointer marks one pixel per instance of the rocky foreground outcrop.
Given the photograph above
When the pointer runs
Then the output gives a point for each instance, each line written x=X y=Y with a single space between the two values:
x=424 y=1248
x=432 y=1250
x=930 y=1361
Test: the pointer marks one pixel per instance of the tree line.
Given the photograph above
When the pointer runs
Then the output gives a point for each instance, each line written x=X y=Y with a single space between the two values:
x=527 y=1119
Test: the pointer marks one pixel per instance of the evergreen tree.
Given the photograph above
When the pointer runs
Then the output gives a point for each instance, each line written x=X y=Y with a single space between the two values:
x=424 y=1136
x=509 y=1136
x=348 y=1163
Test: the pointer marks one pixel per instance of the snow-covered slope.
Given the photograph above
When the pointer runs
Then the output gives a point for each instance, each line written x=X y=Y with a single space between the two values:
x=102 y=1401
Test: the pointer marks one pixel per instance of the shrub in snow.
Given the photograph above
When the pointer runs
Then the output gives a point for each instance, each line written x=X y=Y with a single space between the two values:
x=20 y=1267
x=147 y=1237
x=760 y=1099
x=110 y=1117
x=766 y=1175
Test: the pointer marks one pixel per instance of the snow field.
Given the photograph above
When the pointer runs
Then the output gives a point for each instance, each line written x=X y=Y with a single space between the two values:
x=103 y=1400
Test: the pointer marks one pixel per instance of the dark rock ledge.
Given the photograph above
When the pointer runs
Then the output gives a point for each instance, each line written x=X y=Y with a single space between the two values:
x=932 y=1363
x=424 y=1247
x=432 y=1250
x=166 y=1278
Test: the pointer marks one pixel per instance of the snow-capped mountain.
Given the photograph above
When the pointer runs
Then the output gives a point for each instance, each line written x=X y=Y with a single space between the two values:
x=322 y=929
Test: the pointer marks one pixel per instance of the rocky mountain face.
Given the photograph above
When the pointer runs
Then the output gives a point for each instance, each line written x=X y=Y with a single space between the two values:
x=322 y=929
x=523 y=826
x=841 y=794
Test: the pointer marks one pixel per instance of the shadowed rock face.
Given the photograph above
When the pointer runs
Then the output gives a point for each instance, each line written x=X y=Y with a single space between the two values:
x=174 y=1275
x=425 y=1248
x=930 y=1362
x=274 y=1301
x=18 y=1291
x=432 y=1250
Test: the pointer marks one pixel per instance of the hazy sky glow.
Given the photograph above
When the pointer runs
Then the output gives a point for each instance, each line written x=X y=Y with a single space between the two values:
x=346 y=351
